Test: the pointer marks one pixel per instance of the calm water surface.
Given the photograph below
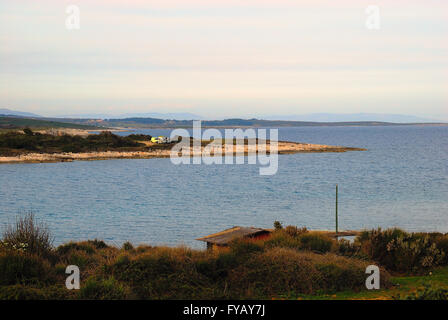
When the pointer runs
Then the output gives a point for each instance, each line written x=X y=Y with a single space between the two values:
x=402 y=180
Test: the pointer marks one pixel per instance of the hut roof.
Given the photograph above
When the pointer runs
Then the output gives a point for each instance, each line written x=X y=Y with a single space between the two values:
x=225 y=236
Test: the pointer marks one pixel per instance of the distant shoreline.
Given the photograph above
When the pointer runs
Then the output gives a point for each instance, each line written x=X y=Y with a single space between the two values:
x=284 y=147
x=138 y=123
x=134 y=127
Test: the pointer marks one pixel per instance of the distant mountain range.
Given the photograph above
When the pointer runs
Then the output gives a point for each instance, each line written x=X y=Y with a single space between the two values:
x=313 y=117
x=341 y=117
x=164 y=116
x=9 y=121
x=156 y=117
x=236 y=122
x=8 y=112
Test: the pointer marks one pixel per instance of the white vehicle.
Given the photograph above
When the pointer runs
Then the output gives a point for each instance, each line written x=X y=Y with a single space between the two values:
x=160 y=139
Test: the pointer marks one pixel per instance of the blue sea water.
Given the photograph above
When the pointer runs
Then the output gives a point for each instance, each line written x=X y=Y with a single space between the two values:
x=401 y=181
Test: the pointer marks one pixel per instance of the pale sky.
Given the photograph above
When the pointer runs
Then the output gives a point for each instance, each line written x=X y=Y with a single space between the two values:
x=221 y=58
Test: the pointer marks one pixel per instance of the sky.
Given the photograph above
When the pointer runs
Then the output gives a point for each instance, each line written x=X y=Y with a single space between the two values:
x=225 y=58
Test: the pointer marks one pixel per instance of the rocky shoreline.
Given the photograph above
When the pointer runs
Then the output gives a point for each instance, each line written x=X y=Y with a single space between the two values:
x=284 y=147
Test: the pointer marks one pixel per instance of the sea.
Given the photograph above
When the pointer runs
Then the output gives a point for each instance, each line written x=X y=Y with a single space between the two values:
x=401 y=180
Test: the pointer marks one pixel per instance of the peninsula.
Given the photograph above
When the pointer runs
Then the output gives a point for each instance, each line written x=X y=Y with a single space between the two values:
x=56 y=146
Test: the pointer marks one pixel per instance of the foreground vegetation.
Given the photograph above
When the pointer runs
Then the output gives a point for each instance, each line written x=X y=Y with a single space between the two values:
x=291 y=264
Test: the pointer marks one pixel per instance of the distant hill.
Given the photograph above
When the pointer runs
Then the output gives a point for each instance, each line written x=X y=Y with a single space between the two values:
x=8 y=112
x=10 y=122
x=145 y=122
x=341 y=117
x=164 y=116
x=160 y=123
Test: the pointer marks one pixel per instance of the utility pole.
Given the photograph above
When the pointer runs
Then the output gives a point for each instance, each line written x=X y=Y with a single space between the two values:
x=336 y=211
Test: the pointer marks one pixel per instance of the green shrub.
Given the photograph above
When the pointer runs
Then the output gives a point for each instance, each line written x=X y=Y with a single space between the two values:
x=21 y=292
x=217 y=268
x=98 y=244
x=428 y=292
x=75 y=246
x=103 y=289
x=288 y=272
x=343 y=273
x=163 y=274
x=23 y=269
x=300 y=239
x=90 y=256
x=274 y=272
x=401 y=251
x=442 y=245
x=294 y=231
x=79 y=259
x=277 y=225
x=140 y=137
x=281 y=239
x=26 y=235
x=315 y=242
x=58 y=292
x=242 y=248
x=14 y=143
x=127 y=246
x=28 y=131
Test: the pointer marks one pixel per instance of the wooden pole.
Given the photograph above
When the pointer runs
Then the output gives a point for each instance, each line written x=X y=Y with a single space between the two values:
x=336 y=211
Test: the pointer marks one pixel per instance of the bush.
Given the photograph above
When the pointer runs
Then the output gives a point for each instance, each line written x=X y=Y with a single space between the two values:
x=90 y=256
x=28 y=236
x=98 y=244
x=278 y=225
x=103 y=289
x=342 y=273
x=315 y=242
x=140 y=137
x=428 y=293
x=300 y=239
x=28 y=131
x=281 y=239
x=217 y=268
x=127 y=246
x=75 y=246
x=293 y=231
x=442 y=245
x=401 y=251
x=20 y=292
x=14 y=143
x=276 y=271
x=241 y=248
x=288 y=272
x=16 y=268
x=163 y=273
